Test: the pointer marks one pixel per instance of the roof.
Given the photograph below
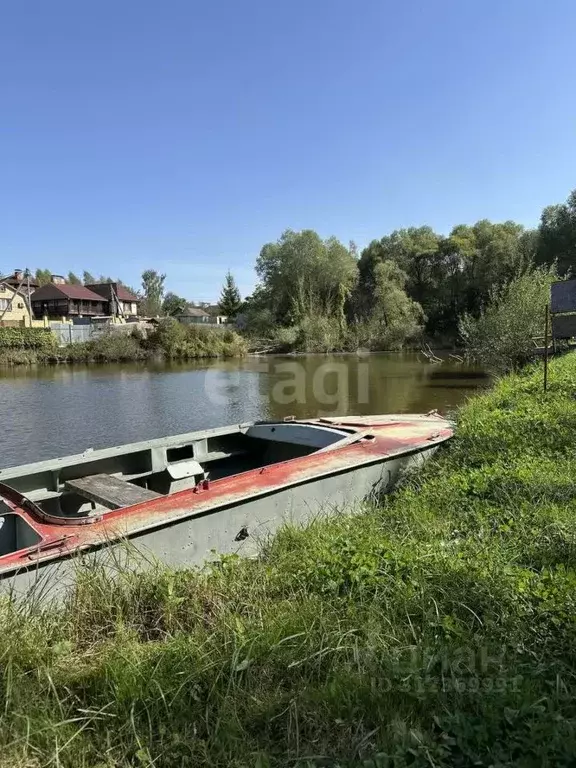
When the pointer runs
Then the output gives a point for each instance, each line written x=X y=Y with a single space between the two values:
x=121 y=291
x=125 y=295
x=194 y=312
x=13 y=280
x=214 y=309
x=53 y=291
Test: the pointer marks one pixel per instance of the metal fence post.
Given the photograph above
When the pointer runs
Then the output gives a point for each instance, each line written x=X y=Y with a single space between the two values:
x=546 y=323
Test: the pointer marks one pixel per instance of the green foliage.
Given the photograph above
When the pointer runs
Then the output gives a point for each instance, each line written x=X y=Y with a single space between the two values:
x=40 y=339
x=179 y=341
x=302 y=275
x=24 y=346
x=111 y=347
x=394 y=317
x=153 y=288
x=74 y=279
x=447 y=276
x=43 y=276
x=317 y=333
x=436 y=629
x=173 y=304
x=88 y=279
x=557 y=235
x=310 y=287
x=501 y=337
x=230 y=299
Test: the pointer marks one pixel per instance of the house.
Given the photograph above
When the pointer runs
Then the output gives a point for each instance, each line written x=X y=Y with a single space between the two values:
x=121 y=301
x=216 y=315
x=60 y=300
x=13 y=308
x=193 y=315
x=19 y=280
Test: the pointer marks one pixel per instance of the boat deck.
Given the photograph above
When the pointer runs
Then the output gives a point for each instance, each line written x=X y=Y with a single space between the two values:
x=123 y=506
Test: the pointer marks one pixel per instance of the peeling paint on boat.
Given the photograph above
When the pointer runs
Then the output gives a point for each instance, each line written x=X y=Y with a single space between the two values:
x=233 y=513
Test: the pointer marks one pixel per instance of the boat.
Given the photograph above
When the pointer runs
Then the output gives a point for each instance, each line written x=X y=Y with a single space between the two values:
x=184 y=498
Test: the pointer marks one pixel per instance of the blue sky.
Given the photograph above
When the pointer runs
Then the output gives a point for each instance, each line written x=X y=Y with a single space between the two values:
x=184 y=135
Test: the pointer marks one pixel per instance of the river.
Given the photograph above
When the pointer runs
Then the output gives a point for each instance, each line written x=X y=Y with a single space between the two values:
x=54 y=411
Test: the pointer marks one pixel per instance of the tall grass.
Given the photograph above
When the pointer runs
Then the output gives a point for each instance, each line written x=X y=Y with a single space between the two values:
x=434 y=630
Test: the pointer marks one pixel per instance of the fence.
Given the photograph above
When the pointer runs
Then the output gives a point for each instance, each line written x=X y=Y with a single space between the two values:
x=66 y=333
x=563 y=309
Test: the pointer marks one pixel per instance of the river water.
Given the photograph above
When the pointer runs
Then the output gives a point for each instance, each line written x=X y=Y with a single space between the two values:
x=54 y=411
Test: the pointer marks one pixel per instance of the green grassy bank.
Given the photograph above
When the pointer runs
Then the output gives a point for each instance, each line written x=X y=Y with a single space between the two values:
x=436 y=630
x=170 y=340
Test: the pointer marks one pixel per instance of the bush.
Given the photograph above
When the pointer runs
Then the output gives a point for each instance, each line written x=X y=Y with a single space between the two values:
x=501 y=337
x=171 y=339
x=183 y=342
x=41 y=339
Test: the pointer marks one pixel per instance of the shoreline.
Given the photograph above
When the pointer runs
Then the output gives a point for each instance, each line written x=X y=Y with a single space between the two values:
x=433 y=624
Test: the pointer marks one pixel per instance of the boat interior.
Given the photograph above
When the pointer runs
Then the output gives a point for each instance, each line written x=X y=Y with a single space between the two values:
x=95 y=482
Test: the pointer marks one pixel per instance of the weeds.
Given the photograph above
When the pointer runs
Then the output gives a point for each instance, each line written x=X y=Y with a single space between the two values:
x=436 y=629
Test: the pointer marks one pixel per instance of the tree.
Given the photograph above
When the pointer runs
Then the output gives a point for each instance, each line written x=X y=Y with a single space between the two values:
x=153 y=289
x=88 y=279
x=173 y=304
x=395 y=316
x=43 y=276
x=74 y=279
x=415 y=250
x=304 y=276
x=230 y=300
x=450 y=275
x=557 y=235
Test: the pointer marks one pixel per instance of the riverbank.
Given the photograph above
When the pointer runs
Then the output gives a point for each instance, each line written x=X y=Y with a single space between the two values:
x=437 y=629
x=170 y=340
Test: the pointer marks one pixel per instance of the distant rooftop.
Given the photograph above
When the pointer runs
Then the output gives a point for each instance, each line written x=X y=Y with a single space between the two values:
x=193 y=312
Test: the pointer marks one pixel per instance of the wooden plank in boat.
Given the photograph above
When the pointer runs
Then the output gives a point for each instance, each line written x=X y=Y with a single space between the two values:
x=109 y=491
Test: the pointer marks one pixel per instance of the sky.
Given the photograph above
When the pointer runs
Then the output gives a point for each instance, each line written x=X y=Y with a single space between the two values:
x=183 y=135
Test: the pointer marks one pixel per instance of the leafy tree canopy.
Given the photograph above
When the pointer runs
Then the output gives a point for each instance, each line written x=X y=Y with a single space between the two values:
x=153 y=291
x=173 y=304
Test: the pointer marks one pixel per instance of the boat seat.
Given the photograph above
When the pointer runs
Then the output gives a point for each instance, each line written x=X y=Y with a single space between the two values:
x=111 y=492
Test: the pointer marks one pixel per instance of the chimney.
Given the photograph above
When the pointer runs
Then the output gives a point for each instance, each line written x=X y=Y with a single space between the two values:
x=58 y=280
x=18 y=274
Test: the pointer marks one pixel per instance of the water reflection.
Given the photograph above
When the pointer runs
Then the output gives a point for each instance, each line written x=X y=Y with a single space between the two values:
x=51 y=411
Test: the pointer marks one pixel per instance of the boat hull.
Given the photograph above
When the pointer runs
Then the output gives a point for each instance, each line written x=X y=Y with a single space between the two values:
x=240 y=528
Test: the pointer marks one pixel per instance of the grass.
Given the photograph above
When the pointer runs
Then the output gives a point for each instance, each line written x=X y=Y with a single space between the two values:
x=437 y=629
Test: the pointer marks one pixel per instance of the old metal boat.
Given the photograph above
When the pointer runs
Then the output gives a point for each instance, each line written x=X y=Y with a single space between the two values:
x=184 y=497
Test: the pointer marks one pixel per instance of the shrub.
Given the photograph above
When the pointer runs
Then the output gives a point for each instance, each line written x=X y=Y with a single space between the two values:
x=501 y=337
x=319 y=333
x=41 y=339
x=179 y=341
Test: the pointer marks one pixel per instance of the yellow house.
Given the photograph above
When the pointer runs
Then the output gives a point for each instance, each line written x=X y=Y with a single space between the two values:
x=13 y=308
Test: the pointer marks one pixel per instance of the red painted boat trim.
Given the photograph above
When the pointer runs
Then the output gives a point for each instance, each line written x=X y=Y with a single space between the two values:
x=58 y=540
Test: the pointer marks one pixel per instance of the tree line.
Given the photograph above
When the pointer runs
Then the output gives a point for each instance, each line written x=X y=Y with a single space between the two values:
x=316 y=294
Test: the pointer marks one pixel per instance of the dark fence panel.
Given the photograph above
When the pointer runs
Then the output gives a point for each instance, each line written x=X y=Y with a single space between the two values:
x=563 y=296
x=563 y=326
